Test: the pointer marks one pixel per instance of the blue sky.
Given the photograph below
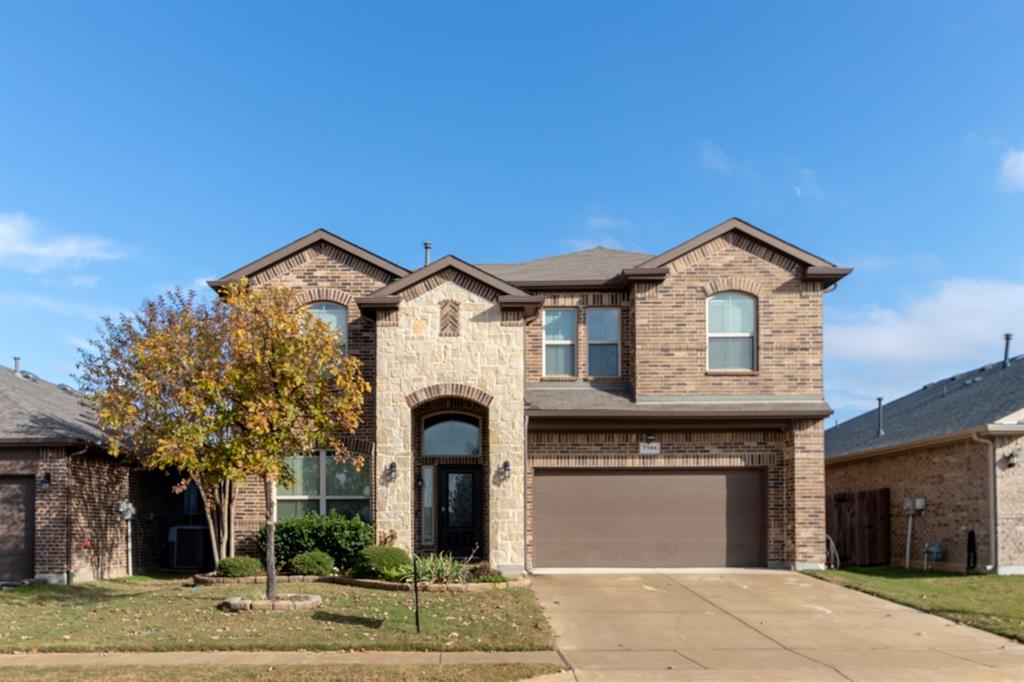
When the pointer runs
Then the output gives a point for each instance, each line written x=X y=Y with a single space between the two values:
x=147 y=145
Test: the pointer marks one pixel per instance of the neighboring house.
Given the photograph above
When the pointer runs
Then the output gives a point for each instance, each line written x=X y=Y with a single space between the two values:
x=596 y=409
x=59 y=491
x=958 y=444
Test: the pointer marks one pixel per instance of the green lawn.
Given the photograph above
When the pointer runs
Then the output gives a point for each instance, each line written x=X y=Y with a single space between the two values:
x=311 y=673
x=170 y=615
x=990 y=602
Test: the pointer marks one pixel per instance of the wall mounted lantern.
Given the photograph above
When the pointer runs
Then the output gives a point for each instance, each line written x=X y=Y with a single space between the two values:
x=506 y=470
x=1013 y=459
x=391 y=471
x=44 y=485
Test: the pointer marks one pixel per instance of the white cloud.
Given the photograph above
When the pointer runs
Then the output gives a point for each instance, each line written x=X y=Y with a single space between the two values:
x=584 y=243
x=807 y=186
x=891 y=350
x=714 y=158
x=607 y=222
x=85 y=281
x=22 y=249
x=1011 y=171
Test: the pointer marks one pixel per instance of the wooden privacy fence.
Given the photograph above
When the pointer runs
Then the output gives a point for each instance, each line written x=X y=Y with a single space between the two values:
x=859 y=525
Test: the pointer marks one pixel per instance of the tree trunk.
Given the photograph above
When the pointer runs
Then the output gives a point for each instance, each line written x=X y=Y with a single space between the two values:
x=231 y=518
x=222 y=518
x=211 y=527
x=268 y=491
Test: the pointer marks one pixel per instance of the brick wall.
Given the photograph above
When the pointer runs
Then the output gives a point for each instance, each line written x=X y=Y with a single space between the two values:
x=804 y=474
x=670 y=347
x=98 y=540
x=952 y=479
x=51 y=512
x=1010 y=506
x=679 y=450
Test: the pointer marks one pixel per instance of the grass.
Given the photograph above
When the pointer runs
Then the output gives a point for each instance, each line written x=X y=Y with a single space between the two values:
x=307 y=673
x=164 y=614
x=991 y=602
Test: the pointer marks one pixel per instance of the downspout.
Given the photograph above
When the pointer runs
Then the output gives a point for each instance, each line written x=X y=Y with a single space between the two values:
x=526 y=472
x=993 y=566
x=68 y=520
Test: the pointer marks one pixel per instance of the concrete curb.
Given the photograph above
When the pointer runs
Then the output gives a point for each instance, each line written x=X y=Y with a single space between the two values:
x=209 y=579
x=277 y=658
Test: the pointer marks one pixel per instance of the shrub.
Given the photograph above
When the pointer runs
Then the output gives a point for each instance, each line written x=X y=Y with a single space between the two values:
x=341 y=537
x=483 y=573
x=239 y=567
x=312 y=563
x=381 y=561
x=440 y=568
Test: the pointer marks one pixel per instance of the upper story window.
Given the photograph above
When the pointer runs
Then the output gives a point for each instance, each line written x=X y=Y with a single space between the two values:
x=335 y=316
x=451 y=435
x=603 y=342
x=322 y=485
x=732 y=325
x=559 y=342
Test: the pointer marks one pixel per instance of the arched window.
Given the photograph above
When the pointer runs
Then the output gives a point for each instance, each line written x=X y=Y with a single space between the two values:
x=335 y=316
x=732 y=331
x=451 y=435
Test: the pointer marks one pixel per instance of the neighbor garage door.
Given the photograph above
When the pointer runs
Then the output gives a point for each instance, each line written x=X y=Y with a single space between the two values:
x=17 y=515
x=648 y=519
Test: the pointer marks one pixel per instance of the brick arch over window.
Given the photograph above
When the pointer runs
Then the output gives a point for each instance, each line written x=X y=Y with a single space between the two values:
x=448 y=391
x=740 y=285
x=316 y=294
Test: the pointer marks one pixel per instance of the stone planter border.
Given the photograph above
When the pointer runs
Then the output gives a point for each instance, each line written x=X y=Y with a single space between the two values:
x=284 y=602
x=210 y=579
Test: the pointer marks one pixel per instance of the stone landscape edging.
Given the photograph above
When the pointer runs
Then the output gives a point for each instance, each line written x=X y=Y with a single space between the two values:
x=284 y=602
x=210 y=579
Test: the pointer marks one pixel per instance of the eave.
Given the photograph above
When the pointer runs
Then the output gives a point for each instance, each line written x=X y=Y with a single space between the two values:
x=897 y=448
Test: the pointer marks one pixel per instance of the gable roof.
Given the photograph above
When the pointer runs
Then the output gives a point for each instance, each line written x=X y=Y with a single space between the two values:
x=945 y=408
x=598 y=264
x=303 y=243
x=399 y=285
x=817 y=268
x=35 y=411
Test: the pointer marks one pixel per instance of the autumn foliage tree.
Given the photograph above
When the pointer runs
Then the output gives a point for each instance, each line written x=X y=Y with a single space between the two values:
x=222 y=391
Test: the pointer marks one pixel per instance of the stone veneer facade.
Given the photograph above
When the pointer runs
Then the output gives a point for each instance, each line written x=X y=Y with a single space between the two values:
x=484 y=359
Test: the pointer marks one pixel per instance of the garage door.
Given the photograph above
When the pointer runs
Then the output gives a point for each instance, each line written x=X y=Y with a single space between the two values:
x=646 y=519
x=17 y=514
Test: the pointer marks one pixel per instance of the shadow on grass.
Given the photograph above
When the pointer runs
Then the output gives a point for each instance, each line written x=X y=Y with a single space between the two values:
x=91 y=592
x=342 y=619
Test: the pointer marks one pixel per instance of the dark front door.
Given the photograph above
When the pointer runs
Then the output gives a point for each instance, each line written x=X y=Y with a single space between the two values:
x=17 y=520
x=461 y=522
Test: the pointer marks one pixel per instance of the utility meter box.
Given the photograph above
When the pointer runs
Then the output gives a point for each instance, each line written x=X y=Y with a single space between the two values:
x=919 y=504
x=126 y=509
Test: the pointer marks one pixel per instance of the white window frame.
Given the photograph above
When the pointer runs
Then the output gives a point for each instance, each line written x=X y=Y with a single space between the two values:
x=574 y=342
x=732 y=335
x=343 y=333
x=323 y=497
x=617 y=343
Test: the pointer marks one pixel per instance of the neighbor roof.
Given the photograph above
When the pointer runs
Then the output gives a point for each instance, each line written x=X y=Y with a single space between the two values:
x=441 y=264
x=34 y=411
x=598 y=264
x=954 y=405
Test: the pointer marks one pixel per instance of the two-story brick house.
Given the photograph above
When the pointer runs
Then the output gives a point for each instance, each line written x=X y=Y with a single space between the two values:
x=596 y=409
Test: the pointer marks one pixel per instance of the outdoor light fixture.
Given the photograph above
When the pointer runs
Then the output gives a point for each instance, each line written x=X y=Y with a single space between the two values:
x=391 y=472
x=1012 y=459
x=648 y=437
x=47 y=481
x=506 y=469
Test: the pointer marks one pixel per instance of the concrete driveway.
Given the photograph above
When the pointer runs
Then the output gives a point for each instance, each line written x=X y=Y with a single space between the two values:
x=764 y=625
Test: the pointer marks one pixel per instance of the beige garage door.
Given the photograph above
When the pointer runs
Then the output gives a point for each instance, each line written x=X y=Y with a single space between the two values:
x=648 y=519
x=17 y=515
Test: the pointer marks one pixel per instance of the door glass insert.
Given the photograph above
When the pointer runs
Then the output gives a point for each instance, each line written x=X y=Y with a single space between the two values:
x=460 y=500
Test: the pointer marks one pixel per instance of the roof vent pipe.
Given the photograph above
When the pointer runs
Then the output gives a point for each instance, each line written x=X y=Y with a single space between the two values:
x=426 y=254
x=1006 y=350
x=881 y=431
x=17 y=365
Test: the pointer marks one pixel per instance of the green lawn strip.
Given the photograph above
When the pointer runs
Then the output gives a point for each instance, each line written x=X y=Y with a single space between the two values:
x=168 y=615
x=990 y=602
x=498 y=672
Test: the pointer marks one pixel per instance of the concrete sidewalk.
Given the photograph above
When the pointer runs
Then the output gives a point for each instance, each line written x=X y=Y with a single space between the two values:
x=276 y=658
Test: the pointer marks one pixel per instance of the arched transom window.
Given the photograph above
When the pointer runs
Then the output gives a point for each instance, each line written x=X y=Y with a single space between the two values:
x=732 y=331
x=451 y=435
x=335 y=316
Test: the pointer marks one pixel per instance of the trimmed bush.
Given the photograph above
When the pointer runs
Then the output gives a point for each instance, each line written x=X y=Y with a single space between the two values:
x=382 y=561
x=312 y=563
x=239 y=567
x=341 y=537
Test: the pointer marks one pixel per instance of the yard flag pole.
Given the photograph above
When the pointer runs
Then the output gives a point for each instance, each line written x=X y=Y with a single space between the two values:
x=416 y=591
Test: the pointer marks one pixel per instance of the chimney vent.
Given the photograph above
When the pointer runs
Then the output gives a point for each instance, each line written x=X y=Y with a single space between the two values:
x=881 y=431
x=426 y=254
x=1006 y=350
x=17 y=365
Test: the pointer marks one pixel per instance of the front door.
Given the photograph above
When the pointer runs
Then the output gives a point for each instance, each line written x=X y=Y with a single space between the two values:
x=461 y=520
